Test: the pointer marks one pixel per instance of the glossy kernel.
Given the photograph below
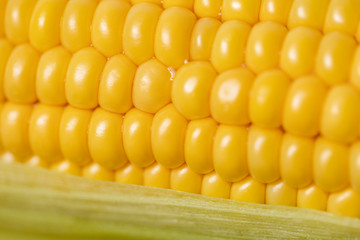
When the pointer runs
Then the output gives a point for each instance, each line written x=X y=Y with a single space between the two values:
x=230 y=96
x=264 y=153
x=202 y=38
x=302 y=106
x=178 y=3
x=214 y=186
x=312 y=197
x=76 y=24
x=345 y=203
x=44 y=30
x=116 y=83
x=275 y=10
x=191 y=89
x=267 y=98
x=73 y=136
x=229 y=45
x=96 y=171
x=44 y=132
x=334 y=57
x=51 y=72
x=20 y=74
x=66 y=166
x=229 y=152
x=296 y=160
x=168 y=136
x=152 y=86
x=17 y=19
x=107 y=26
x=130 y=174
x=264 y=45
x=5 y=52
x=243 y=10
x=248 y=190
x=279 y=193
x=330 y=165
x=157 y=176
x=105 y=139
x=354 y=166
x=184 y=179
x=172 y=37
x=139 y=32
x=205 y=8
x=137 y=137
x=198 y=145
x=297 y=53
x=82 y=78
x=341 y=114
x=355 y=67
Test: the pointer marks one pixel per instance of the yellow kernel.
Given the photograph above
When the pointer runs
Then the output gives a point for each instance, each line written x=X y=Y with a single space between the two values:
x=105 y=139
x=312 y=197
x=202 y=38
x=198 y=145
x=51 y=72
x=275 y=10
x=66 y=166
x=279 y=193
x=76 y=24
x=264 y=153
x=229 y=152
x=157 y=176
x=152 y=86
x=302 y=106
x=115 y=88
x=139 y=32
x=267 y=98
x=248 y=190
x=73 y=135
x=191 y=89
x=96 y=171
x=345 y=203
x=230 y=96
x=184 y=179
x=82 y=78
x=137 y=137
x=297 y=53
x=44 y=132
x=178 y=3
x=354 y=166
x=243 y=10
x=172 y=37
x=229 y=44
x=205 y=8
x=330 y=165
x=20 y=74
x=158 y=2
x=334 y=56
x=214 y=186
x=44 y=29
x=107 y=26
x=341 y=114
x=130 y=174
x=355 y=68
x=2 y=18
x=168 y=136
x=5 y=52
x=36 y=161
x=264 y=45
x=296 y=160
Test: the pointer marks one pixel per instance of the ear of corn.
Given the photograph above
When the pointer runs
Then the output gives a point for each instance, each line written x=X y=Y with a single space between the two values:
x=256 y=101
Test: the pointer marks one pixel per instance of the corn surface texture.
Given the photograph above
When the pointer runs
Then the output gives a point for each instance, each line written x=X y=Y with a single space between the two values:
x=257 y=101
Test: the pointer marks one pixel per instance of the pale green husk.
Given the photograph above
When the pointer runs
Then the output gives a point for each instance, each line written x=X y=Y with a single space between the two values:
x=39 y=204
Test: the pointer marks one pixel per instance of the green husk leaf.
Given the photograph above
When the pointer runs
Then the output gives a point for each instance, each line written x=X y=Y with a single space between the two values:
x=40 y=204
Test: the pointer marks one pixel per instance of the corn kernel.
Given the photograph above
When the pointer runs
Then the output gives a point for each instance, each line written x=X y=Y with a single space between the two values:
x=96 y=171
x=139 y=32
x=279 y=193
x=157 y=176
x=152 y=86
x=264 y=153
x=230 y=96
x=355 y=68
x=44 y=29
x=172 y=37
x=130 y=174
x=178 y=3
x=354 y=166
x=205 y=8
x=2 y=17
x=312 y=197
x=158 y=2
x=330 y=165
x=184 y=179
x=105 y=139
x=82 y=78
x=36 y=161
x=107 y=26
x=229 y=152
x=243 y=10
x=115 y=88
x=73 y=134
x=229 y=44
x=248 y=190
x=5 y=52
x=76 y=24
x=51 y=72
x=275 y=10
x=198 y=142
x=137 y=137
x=66 y=166
x=263 y=46
x=168 y=136
x=191 y=89
x=345 y=203
x=214 y=186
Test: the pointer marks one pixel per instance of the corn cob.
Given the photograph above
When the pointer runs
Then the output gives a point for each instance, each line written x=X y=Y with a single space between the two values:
x=255 y=101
